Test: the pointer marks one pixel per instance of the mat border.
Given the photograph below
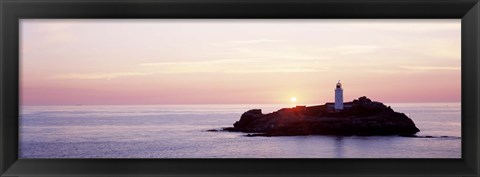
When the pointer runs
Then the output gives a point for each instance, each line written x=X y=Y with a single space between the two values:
x=13 y=10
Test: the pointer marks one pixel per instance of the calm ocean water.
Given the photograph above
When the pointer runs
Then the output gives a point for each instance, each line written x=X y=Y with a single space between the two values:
x=178 y=131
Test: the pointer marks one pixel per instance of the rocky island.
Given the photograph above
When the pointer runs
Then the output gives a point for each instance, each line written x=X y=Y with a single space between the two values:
x=361 y=117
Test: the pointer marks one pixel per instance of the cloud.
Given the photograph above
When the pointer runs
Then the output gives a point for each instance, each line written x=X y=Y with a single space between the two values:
x=43 y=34
x=429 y=68
x=198 y=63
x=256 y=41
x=91 y=76
x=357 y=49
x=278 y=70
x=405 y=25
x=253 y=65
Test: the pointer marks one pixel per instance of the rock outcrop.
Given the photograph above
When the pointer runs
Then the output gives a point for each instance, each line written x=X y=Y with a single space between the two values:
x=362 y=117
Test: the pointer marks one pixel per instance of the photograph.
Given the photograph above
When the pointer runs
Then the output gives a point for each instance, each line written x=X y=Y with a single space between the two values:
x=240 y=88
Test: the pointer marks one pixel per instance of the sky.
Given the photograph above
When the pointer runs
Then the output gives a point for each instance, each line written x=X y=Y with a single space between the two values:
x=193 y=61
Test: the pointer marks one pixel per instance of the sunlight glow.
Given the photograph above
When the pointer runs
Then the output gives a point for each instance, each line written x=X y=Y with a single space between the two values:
x=293 y=99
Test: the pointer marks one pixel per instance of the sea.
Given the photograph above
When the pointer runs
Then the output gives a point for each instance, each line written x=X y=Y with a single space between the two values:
x=180 y=131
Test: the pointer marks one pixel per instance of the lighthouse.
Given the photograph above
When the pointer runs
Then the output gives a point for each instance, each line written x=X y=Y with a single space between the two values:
x=339 y=96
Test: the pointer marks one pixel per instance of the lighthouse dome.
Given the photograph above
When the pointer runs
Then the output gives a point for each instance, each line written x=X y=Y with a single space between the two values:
x=339 y=85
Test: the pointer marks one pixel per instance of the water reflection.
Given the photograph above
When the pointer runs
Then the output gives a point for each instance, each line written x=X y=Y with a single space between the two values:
x=339 y=147
x=178 y=132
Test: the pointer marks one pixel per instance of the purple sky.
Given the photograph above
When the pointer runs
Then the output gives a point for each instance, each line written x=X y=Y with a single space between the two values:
x=66 y=62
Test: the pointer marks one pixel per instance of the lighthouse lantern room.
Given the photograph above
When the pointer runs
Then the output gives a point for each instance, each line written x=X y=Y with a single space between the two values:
x=339 y=97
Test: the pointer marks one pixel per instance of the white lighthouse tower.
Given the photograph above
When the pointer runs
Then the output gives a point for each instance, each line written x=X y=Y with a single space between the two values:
x=339 y=97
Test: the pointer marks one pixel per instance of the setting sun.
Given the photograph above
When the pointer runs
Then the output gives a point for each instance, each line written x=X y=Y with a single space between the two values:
x=293 y=99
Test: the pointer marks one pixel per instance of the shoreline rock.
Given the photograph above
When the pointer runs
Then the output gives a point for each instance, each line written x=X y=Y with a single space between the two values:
x=363 y=118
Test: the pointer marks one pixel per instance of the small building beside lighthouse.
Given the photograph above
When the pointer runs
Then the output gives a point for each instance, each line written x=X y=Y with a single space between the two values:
x=339 y=96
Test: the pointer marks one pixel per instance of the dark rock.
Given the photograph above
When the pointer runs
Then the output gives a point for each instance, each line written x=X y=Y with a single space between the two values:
x=258 y=134
x=364 y=118
x=229 y=129
x=413 y=136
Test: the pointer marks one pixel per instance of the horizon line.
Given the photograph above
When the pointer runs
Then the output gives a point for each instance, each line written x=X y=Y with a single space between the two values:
x=180 y=104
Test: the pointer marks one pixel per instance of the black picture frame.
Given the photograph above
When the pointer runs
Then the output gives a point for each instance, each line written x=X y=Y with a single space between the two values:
x=13 y=10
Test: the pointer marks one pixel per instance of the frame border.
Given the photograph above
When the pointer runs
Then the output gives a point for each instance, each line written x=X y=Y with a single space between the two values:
x=13 y=10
